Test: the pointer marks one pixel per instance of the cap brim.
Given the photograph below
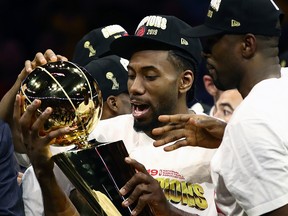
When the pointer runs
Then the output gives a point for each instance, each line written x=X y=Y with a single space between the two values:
x=201 y=31
x=126 y=46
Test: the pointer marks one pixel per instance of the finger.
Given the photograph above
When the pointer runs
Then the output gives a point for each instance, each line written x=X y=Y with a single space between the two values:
x=138 y=166
x=39 y=59
x=50 y=56
x=17 y=111
x=59 y=132
x=61 y=58
x=174 y=118
x=134 y=196
x=39 y=123
x=26 y=119
x=28 y=66
x=170 y=127
x=168 y=139
x=176 y=145
x=142 y=202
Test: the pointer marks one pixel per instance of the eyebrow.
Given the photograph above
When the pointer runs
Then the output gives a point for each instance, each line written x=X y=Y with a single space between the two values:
x=144 y=68
x=226 y=104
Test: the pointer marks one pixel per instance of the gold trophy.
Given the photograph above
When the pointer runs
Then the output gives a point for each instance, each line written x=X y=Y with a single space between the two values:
x=72 y=93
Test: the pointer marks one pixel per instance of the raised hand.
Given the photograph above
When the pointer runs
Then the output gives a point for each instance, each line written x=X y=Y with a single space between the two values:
x=189 y=130
x=29 y=130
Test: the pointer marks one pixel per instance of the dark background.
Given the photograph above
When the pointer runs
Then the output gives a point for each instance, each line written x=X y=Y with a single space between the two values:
x=31 y=26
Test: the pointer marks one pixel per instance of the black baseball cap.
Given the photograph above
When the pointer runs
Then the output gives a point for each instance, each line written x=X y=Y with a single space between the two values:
x=96 y=43
x=159 y=32
x=110 y=72
x=259 y=17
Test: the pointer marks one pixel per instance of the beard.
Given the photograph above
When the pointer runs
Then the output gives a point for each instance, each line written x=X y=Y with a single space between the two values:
x=164 y=109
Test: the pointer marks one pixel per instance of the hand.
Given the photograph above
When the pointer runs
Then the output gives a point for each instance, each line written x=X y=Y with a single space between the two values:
x=37 y=145
x=41 y=59
x=19 y=178
x=190 y=130
x=145 y=190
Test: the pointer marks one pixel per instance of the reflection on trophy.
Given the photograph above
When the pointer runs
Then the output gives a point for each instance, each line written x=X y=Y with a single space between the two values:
x=72 y=93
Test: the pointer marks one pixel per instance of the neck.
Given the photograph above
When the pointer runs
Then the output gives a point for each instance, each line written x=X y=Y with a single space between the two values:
x=270 y=69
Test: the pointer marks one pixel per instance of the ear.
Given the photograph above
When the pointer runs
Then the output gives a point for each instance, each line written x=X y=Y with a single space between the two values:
x=209 y=85
x=248 y=46
x=186 y=82
x=111 y=102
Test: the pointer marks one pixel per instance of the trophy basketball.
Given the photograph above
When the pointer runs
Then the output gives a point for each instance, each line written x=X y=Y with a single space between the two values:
x=72 y=93
x=97 y=170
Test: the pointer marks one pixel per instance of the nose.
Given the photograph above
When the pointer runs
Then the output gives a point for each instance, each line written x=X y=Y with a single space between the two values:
x=136 y=86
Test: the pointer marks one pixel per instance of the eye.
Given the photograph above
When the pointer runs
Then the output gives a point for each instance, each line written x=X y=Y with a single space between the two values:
x=131 y=75
x=227 y=112
x=151 y=78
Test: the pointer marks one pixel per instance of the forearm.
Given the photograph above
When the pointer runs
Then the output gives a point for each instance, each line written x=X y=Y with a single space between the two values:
x=7 y=102
x=56 y=203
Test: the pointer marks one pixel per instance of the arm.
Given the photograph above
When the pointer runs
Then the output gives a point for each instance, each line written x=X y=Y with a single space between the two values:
x=192 y=130
x=283 y=211
x=147 y=191
x=54 y=199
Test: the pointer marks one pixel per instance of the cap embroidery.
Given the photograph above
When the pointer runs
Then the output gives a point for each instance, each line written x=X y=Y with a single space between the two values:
x=88 y=46
x=276 y=7
x=110 y=76
x=111 y=30
x=215 y=4
x=235 y=23
x=184 y=42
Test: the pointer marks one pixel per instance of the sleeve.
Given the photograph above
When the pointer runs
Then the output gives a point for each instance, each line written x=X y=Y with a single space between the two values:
x=256 y=166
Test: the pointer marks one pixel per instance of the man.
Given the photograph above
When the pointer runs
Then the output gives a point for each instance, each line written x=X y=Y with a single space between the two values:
x=160 y=75
x=249 y=169
x=226 y=104
x=161 y=71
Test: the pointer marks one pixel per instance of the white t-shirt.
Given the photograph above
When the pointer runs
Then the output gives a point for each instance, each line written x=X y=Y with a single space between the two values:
x=185 y=172
x=250 y=168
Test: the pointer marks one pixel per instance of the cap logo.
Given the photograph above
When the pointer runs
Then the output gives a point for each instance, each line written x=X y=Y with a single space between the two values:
x=184 y=42
x=235 y=23
x=153 y=21
x=111 y=30
x=124 y=63
x=215 y=4
x=88 y=46
x=110 y=76
x=141 y=31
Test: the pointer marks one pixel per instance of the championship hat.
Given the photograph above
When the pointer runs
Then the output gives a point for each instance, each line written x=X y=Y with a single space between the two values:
x=110 y=72
x=259 y=17
x=96 y=43
x=159 y=32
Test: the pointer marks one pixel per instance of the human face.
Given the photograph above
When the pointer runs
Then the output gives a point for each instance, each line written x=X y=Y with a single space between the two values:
x=153 y=88
x=226 y=104
x=223 y=62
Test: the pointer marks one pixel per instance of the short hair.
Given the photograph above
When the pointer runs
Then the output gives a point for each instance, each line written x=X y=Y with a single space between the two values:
x=181 y=61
